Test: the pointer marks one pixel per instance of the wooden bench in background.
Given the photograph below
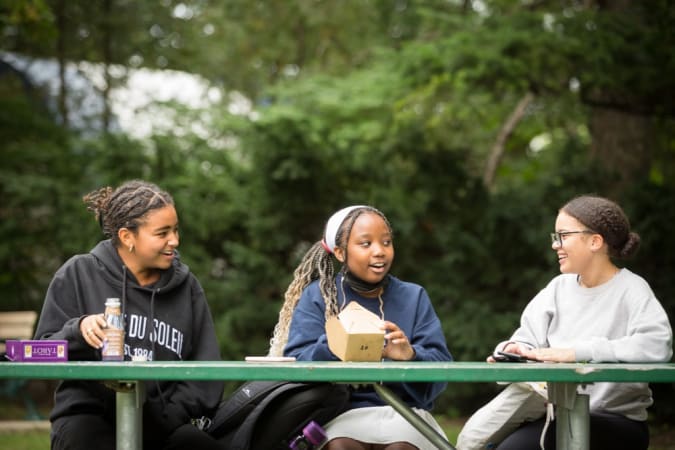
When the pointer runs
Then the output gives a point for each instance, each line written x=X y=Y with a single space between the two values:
x=18 y=325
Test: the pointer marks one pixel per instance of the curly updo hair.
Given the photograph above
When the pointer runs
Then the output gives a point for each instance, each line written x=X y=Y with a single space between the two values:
x=125 y=207
x=606 y=218
x=317 y=264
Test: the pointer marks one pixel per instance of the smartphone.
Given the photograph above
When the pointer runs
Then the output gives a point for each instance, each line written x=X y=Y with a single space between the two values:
x=509 y=357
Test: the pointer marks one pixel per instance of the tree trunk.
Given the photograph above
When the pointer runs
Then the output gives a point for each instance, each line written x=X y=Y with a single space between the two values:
x=107 y=60
x=621 y=144
x=62 y=61
x=621 y=131
x=505 y=132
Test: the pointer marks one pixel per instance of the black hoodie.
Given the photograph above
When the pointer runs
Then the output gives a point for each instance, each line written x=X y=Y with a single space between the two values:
x=174 y=309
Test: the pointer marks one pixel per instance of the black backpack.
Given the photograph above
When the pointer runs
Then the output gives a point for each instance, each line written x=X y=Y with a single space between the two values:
x=268 y=415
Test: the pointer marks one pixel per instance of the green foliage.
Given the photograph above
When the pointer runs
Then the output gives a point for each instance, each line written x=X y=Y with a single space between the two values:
x=41 y=223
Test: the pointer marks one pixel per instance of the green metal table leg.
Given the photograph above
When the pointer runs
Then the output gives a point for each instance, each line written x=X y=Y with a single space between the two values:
x=572 y=417
x=431 y=434
x=129 y=407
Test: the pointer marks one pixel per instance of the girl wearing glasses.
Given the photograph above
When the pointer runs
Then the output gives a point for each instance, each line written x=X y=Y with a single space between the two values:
x=597 y=312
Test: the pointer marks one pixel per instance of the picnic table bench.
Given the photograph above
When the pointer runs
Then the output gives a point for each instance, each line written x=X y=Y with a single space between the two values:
x=562 y=378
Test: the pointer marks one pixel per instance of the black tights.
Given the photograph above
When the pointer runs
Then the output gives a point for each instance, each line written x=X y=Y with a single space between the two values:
x=608 y=432
x=89 y=431
x=352 y=444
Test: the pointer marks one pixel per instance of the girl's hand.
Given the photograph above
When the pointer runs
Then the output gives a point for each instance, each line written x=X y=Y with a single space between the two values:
x=397 y=346
x=91 y=328
x=551 y=354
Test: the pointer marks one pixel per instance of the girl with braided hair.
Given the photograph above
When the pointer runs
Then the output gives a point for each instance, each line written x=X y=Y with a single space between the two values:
x=596 y=312
x=361 y=239
x=164 y=311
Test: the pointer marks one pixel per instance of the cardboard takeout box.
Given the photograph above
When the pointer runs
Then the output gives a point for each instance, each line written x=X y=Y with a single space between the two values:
x=355 y=334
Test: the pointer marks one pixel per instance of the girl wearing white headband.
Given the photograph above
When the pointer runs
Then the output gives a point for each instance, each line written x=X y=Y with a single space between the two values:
x=360 y=238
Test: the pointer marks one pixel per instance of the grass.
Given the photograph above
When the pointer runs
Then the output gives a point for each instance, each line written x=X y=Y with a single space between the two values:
x=26 y=440
x=451 y=427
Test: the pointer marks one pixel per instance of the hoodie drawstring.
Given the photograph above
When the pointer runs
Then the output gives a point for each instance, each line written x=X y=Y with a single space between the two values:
x=152 y=325
x=153 y=339
x=124 y=297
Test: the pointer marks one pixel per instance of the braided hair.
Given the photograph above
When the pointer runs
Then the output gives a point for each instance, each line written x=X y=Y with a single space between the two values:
x=316 y=264
x=125 y=207
x=606 y=218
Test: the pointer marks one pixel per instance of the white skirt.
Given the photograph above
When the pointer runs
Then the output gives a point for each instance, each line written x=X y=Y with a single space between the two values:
x=381 y=425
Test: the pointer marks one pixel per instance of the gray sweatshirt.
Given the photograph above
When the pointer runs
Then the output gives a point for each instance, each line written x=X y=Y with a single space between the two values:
x=618 y=321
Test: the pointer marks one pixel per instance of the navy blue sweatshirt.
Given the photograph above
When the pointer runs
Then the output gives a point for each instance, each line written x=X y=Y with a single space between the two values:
x=167 y=321
x=406 y=304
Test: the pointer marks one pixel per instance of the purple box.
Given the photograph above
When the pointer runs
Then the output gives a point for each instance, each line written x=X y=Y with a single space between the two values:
x=27 y=350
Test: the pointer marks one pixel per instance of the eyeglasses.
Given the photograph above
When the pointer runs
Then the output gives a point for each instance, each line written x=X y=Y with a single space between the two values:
x=557 y=237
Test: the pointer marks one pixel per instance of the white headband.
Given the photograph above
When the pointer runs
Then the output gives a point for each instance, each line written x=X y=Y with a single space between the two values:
x=333 y=225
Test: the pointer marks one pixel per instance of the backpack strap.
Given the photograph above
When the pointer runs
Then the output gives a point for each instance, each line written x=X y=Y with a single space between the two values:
x=242 y=438
x=233 y=411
